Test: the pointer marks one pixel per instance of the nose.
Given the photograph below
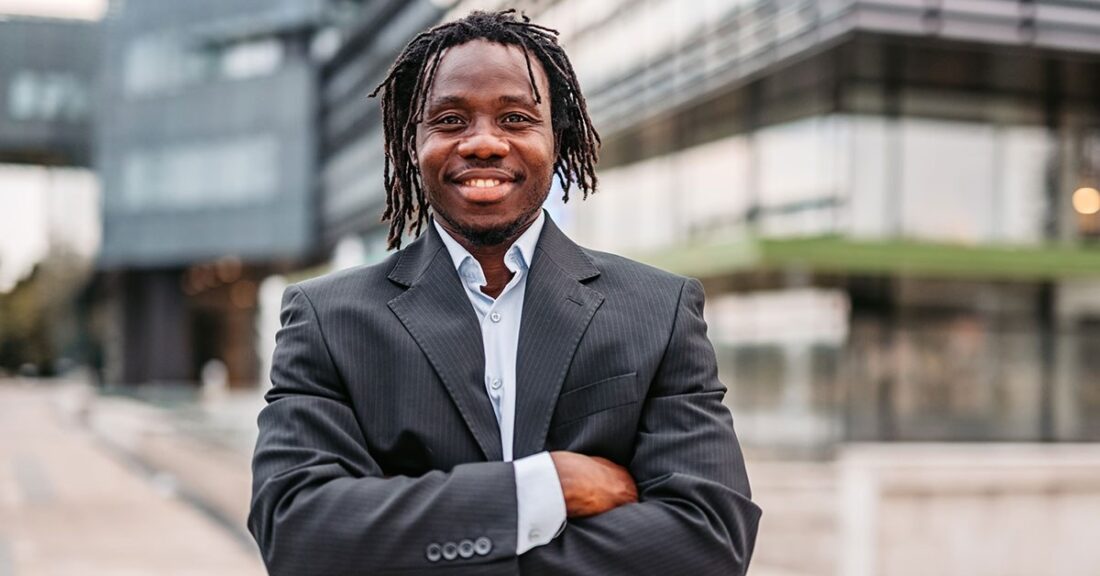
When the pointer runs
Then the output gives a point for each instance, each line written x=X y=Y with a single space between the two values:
x=483 y=140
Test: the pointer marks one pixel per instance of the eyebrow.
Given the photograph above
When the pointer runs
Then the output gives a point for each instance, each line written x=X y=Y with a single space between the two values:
x=508 y=99
x=524 y=100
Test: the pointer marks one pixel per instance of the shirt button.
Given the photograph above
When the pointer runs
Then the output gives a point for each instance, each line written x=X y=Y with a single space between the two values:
x=495 y=316
x=534 y=534
x=496 y=384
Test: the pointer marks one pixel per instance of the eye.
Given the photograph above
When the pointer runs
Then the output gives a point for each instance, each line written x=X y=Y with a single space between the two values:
x=515 y=117
x=449 y=119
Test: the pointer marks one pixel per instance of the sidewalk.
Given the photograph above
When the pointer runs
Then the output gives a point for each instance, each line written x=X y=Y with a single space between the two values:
x=70 y=505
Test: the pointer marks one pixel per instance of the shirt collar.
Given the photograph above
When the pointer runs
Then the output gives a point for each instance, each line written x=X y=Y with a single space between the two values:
x=524 y=246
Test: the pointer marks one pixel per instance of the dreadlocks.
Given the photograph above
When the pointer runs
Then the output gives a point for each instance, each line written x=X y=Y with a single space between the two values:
x=405 y=92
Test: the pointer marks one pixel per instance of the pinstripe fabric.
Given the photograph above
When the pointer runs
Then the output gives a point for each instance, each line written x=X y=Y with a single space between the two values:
x=378 y=439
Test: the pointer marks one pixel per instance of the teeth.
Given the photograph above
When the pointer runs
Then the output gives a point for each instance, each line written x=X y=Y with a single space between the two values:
x=483 y=182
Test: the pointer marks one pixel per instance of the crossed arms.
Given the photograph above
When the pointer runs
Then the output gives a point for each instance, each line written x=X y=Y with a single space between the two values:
x=321 y=503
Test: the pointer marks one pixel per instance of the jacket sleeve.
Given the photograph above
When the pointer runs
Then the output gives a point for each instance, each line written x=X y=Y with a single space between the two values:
x=320 y=503
x=694 y=514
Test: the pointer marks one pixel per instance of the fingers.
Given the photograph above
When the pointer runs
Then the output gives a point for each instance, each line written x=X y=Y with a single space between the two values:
x=592 y=485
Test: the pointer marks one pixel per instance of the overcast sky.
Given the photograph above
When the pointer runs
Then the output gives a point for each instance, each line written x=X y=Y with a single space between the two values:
x=39 y=206
x=82 y=9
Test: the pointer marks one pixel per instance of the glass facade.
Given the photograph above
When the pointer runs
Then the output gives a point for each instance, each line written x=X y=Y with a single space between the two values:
x=207 y=139
x=352 y=160
x=854 y=175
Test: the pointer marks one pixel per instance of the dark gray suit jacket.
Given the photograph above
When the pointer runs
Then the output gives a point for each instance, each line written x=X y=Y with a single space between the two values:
x=379 y=440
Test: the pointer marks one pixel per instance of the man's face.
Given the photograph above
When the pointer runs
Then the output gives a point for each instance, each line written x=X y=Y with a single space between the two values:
x=485 y=148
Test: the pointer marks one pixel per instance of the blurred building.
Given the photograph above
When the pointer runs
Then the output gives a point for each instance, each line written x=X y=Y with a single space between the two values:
x=206 y=148
x=47 y=67
x=891 y=203
x=352 y=196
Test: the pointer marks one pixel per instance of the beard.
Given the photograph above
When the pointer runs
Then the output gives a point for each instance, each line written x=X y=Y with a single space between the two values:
x=490 y=236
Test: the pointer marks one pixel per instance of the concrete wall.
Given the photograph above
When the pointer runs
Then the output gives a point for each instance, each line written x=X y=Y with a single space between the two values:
x=969 y=510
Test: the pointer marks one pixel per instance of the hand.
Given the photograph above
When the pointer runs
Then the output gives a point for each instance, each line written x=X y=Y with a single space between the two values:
x=592 y=485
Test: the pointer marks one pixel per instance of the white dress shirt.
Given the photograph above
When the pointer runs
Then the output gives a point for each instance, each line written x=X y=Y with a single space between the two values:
x=540 y=503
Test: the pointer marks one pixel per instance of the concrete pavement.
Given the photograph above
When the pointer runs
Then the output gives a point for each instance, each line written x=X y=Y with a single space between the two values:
x=69 y=505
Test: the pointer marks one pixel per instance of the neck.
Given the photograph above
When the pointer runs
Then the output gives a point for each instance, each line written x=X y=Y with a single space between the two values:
x=490 y=257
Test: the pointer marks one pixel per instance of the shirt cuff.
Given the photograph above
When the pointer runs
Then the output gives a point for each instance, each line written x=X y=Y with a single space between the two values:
x=540 y=503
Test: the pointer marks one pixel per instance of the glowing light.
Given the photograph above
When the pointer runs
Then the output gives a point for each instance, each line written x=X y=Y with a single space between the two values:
x=243 y=294
x=1086 y=201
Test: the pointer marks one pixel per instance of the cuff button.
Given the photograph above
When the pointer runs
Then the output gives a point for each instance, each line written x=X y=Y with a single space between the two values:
x=450 y=551
x=433 y=552
x=466 y=548
x=483 y=546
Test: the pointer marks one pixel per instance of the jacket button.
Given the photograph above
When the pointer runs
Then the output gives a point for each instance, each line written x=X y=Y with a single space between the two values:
x=483 y=546
x=433 y=552
x=466 y=548
x=450 y=551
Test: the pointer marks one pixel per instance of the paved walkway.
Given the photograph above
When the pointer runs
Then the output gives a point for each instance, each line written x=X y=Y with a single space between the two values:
x=71 y=506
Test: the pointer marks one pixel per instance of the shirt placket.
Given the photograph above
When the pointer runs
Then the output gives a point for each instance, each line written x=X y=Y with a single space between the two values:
x=492 y=335
x=494 y=378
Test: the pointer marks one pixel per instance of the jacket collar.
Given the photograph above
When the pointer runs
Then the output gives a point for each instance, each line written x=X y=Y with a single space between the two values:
x=553 y=244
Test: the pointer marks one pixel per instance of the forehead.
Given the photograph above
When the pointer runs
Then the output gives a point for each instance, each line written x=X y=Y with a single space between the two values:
x=485 y=68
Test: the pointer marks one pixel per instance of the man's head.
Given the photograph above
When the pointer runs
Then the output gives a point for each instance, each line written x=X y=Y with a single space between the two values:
x=479 y=114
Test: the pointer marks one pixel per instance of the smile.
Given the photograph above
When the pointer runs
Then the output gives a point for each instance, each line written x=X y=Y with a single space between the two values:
x=482 y=182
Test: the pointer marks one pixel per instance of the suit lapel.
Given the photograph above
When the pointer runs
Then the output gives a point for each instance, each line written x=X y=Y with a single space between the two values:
x=438 y=315
x=557 y=308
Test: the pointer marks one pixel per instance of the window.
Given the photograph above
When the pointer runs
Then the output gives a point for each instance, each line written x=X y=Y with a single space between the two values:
x=251 y=59
x=49 y=96
x=160 y=63
x=202 y=174
x=165 y=63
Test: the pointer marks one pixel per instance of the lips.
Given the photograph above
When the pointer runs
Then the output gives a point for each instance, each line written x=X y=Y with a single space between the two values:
x=483 y=186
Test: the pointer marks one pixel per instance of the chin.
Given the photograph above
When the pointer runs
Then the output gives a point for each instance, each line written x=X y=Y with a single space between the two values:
x=481 y=233
x=488 y=236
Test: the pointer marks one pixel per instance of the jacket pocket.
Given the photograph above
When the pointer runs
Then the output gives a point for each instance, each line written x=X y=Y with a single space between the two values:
x=596 y=397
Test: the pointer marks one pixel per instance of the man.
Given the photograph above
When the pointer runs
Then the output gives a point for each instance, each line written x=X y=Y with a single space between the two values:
x=494 y=399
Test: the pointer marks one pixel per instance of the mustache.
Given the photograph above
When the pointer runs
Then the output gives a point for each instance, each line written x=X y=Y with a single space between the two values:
x=488 y=164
